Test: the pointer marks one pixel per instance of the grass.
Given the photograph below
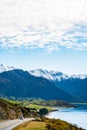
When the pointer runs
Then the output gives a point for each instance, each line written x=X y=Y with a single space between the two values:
x=13 y=101
x=47 y=124
x=38 y=107
x=29 y=104
x=33 y=125
x=37 y=104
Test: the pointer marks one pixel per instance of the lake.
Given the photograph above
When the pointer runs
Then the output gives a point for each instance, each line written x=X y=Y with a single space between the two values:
x=76 y=116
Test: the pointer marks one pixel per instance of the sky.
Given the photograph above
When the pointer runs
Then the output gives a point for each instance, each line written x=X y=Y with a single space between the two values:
x=46 y=34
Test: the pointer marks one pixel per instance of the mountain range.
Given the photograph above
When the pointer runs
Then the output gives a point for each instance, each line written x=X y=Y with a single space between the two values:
x=42 y=84
x=75 y=85
x=55 y=75
x=19 y=83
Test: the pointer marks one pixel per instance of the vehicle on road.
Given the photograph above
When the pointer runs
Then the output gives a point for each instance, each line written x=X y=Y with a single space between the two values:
x=21 y=117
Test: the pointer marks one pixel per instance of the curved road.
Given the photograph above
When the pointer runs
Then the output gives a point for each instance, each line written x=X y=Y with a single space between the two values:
x=10 y=124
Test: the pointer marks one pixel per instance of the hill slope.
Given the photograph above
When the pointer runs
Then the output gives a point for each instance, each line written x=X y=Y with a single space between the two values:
x=19 y=83
x=73 y=84
x=12 y=111
x=76 y=87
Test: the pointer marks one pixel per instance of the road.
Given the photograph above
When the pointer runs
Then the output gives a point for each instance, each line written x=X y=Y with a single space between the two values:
x=10 y=124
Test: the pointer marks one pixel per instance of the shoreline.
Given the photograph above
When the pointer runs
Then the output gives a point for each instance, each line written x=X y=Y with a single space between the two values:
x=57 y=109
x=71 y=116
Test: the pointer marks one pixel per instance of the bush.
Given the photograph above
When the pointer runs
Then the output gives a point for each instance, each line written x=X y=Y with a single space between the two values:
x=43 y=112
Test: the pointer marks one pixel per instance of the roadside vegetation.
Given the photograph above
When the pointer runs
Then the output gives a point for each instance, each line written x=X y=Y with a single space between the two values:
x=47 y=124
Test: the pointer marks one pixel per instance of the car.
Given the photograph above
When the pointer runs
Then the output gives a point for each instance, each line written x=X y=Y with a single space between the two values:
x=21 y=117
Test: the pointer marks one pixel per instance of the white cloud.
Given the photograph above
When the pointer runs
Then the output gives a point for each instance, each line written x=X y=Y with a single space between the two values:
x=47 y=24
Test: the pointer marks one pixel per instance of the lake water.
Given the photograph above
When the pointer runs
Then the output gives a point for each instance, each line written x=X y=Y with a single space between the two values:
x=76 y=116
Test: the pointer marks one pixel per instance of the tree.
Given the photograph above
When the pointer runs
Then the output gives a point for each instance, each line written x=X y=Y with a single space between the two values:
x=43 y=112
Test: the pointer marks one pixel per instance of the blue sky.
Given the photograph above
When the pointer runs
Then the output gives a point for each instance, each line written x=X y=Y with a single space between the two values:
x=67 y=61
x=44 y=34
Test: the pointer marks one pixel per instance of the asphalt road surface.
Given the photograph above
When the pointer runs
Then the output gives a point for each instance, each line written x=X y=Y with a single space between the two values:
x=10 y=124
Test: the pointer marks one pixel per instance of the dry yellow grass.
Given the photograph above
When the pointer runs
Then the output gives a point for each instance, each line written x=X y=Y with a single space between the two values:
x=47 y=124
x=33 y=125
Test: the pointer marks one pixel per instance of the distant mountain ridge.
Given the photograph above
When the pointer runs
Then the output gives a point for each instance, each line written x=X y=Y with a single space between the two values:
x=75 y=85
x=50 y=75
x=42 y=84
x=19 y=83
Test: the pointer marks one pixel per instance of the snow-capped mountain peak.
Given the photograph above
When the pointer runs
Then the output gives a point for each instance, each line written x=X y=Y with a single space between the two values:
x=41 y=73
x=4 y=68
x=55 y=75
x=51 y=75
